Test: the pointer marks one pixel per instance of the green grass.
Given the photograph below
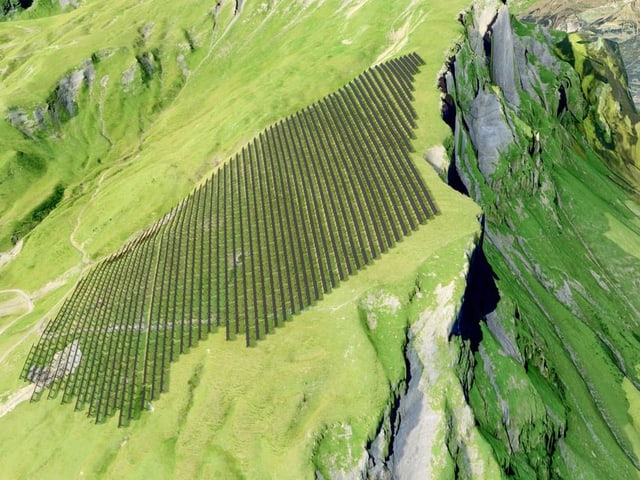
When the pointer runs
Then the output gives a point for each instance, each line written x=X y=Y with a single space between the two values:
x=167 y=138
x=38 y=214
x=253 y=414
x=565 y=254
x=182 y=277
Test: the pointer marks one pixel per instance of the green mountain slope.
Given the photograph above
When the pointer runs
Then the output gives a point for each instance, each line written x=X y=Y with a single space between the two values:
x=553 y=169
x=140 y=132
x=307 y=204
x=505 y=348
x=611 y=20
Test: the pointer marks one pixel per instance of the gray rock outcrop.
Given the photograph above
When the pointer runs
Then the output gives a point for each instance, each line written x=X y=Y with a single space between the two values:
x=489 y=130
x=64 y=363
x=503 y=65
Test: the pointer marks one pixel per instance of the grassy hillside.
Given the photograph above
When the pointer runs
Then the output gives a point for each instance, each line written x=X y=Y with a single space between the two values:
x=306 y=205
x=130 y=105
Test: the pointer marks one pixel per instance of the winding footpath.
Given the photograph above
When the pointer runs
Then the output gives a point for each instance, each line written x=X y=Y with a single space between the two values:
x=86 y=260
x=11 y=306
x=16 y=399
x=6 y=257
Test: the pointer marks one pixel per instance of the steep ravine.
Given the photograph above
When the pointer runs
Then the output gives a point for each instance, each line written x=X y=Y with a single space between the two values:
x=428 y=429
x=464 y=374
x=544 y=367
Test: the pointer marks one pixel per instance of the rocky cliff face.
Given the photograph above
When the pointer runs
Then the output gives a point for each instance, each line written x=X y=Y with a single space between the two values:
x=614 y=20
x=545 y=140
x=533 y=374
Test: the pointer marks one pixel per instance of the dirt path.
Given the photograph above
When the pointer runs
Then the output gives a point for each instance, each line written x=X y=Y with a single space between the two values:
x=52 y=285
x=6 y=257
x=22 y=395
x=25 y=393
x=398 y=38
x=7 y=308
x=72 y=237
x=36 y=328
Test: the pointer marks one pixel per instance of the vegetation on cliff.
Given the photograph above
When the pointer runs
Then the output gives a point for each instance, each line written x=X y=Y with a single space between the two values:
x=549 y=160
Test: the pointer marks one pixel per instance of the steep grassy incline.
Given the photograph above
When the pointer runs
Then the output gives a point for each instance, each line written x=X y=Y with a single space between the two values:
x=314 y=396
x=304 y=206
x=608 y=20
x=552 y=167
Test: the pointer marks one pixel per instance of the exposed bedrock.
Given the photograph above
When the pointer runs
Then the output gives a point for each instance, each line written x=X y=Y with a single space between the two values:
x=502 y=56
x=543 y=136
x=618 y=21
x=488 y=130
